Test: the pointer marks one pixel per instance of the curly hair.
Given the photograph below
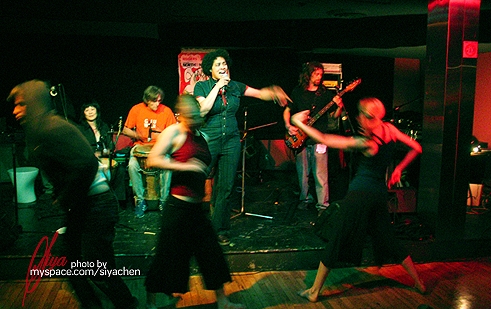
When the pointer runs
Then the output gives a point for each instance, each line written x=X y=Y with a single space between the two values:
x=210 y=57
x=307 y=69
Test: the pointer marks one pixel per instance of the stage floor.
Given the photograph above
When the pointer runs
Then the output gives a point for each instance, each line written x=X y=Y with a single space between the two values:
x=283 y=242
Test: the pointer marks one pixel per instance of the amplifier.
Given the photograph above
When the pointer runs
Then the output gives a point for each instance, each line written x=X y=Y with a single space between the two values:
x=402 y=200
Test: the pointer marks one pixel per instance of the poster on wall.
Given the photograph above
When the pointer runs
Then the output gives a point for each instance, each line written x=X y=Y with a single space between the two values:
x=190 y=72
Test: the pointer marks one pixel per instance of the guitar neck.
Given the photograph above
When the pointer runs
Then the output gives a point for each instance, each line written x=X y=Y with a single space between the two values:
x=324 y=110
x=320 y=113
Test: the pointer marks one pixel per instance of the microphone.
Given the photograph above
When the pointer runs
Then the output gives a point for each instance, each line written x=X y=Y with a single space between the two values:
x=224 y=88
x=53 y=91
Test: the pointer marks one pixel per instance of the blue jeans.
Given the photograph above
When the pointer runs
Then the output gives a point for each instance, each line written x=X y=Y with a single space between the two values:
x=312 y=161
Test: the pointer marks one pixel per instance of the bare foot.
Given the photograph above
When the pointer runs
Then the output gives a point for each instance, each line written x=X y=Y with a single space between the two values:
x=308 y=295
x=420 y=287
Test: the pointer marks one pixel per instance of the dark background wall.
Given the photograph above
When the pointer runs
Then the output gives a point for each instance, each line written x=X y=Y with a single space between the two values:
x=115 y=71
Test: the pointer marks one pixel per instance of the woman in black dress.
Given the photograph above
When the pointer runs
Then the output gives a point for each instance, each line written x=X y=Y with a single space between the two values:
x=364 y=209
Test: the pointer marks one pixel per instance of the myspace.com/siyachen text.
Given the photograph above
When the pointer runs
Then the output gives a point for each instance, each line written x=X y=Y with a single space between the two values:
x=47 y=267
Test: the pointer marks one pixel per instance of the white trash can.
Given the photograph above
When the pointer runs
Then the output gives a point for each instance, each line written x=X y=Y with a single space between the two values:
x=26 y=177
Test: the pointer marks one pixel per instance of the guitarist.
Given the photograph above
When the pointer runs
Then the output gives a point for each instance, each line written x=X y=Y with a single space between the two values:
x=312 y=158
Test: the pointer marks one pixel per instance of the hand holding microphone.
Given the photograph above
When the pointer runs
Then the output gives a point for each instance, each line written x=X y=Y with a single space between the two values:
x=224 y=80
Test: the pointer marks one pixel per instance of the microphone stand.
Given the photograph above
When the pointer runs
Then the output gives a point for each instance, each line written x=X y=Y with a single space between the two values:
x=16 y=228
x=14 y=168
x=346 y=120
x=242 y=204
x=395 y=110
x=114 y=143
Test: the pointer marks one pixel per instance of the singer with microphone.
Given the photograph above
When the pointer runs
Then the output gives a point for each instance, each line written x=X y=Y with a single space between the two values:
x=144 y=123
x=219 y=99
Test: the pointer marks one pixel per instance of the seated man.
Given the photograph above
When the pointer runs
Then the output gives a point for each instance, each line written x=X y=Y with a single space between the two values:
x=143 y=124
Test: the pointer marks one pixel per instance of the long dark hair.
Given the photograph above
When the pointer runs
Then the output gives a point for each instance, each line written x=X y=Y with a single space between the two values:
x=307 y=69
x=98 y=119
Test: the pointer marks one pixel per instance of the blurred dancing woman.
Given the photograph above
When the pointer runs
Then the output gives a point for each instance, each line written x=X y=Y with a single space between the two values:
x=185 y=231
x=364 y=209
x=219 y=99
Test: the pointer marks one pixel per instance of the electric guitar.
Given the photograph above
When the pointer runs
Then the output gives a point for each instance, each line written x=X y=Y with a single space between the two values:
x=296 y=141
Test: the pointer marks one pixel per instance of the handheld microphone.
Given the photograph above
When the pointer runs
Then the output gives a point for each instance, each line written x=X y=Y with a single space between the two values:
x=224 y=88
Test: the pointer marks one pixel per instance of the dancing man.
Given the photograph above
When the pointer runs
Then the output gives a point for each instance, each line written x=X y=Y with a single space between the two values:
x=81 y=188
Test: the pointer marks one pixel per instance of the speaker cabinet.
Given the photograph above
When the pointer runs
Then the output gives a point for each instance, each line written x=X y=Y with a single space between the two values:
x=402 y=200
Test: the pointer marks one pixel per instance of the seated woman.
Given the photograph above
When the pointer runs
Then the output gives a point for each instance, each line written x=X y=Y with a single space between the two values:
x=94 y=129
x=100 y=138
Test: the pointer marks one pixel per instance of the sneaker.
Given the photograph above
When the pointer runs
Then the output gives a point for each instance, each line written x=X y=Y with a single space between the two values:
x=223 y=240
x=303 y=205
x=321 y=207
x=161 y=205
x=140 y=209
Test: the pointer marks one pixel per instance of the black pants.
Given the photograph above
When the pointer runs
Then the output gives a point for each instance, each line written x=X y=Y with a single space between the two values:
x=89 y=238
x=186 y=232
x=362 y=213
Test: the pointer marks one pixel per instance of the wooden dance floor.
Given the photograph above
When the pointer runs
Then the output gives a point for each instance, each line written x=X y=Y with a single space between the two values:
x=273 y=254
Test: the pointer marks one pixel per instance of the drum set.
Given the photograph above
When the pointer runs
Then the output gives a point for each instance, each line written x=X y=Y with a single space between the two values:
x=410 y=123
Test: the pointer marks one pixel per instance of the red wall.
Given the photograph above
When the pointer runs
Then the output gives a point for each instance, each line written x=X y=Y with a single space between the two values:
x=482 y=111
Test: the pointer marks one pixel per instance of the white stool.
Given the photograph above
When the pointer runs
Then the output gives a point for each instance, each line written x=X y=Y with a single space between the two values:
x=25 y=183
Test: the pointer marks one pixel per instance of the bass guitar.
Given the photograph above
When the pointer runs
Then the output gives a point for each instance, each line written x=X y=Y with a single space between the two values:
x=296 y=141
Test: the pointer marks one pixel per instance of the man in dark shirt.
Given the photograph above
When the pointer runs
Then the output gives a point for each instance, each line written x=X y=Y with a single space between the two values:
x=82 y=190
x=312 y=158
